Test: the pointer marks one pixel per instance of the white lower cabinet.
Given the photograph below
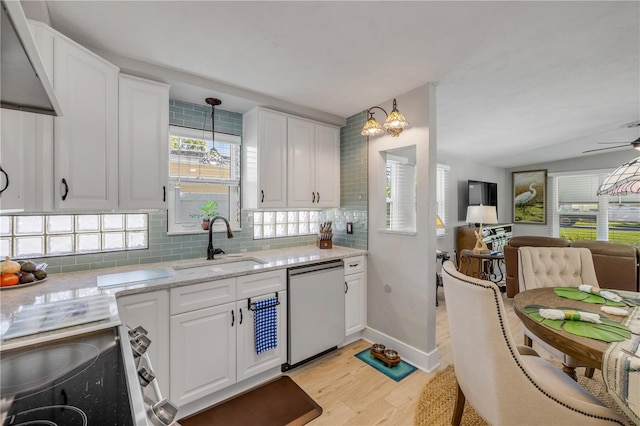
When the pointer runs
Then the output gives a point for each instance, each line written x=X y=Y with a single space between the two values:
x=213 y=340
x=251 y=363
x=355 y=282
x=151 y=311
x=203 y=352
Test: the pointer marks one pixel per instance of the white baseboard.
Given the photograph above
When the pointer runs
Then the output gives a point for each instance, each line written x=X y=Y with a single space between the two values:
x=423 y=360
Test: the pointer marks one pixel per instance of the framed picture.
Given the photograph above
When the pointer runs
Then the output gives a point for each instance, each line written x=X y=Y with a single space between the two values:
x=529 y=195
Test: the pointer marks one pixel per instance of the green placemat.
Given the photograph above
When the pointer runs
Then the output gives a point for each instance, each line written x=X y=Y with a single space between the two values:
x=576 y=294
x=397 y=372
x=608 y=331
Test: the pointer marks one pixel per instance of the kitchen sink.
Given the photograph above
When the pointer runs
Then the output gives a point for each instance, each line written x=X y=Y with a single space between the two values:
x=226 y=265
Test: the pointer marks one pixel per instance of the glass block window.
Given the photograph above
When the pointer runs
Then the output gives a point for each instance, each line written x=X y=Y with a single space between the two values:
x=277 y=224
x=59 y=235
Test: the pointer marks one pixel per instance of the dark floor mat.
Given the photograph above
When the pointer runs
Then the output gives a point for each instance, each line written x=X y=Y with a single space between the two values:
x=277 y=403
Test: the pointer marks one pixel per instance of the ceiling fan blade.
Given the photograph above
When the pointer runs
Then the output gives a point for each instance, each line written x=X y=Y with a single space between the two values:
x=609 y=143
x=602 y=149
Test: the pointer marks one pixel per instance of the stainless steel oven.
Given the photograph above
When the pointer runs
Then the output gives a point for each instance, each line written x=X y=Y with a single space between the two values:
x=89 y=379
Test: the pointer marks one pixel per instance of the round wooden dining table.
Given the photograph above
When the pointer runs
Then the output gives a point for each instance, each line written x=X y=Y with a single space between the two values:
x=588 y=351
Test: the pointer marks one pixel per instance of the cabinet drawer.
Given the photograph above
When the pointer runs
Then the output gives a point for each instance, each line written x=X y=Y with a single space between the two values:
x=202 y=295
x=259 y=284
x=353 y=265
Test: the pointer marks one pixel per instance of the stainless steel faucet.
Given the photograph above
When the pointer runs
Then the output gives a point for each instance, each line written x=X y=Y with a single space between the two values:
x=210 y=250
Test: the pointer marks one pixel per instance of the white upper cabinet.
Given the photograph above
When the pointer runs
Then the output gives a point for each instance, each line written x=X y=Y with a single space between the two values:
x=264 y=165
x=301 y=163
x=327 y=167
x=314 y=164
x=25 y=161
x=143 y=143
x=86 y=135
x=289 y=162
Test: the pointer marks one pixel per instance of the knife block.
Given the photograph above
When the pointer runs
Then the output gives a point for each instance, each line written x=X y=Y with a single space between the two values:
x=324 y=244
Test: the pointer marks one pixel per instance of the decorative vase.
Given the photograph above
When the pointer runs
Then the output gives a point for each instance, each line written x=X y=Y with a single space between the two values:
x=205 y=224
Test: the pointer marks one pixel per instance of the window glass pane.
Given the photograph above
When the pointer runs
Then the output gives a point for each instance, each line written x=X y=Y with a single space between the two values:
x=113 y=241
x=292 y=217
x=292 y=228
x=191 y=202
x=257 y=232
x=5 y=247
x=136 y=221
x=281 y=230
x=269 y=218
x=5 y=225
x=59 y=244
x=87 y=223
x=257 y=217
x=198 y=157
x=29 y=246
x=269 y=231
x=624 y=219
x=112 y=222
x=87 y=242
x=136 y=240
x=59 y=224
x=304 y=228
x=29 y=225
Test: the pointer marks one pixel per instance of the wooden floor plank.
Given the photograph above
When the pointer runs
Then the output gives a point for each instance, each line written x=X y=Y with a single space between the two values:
x=353 y=393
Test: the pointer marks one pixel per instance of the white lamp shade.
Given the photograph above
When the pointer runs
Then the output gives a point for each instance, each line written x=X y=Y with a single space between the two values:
x=482 y=214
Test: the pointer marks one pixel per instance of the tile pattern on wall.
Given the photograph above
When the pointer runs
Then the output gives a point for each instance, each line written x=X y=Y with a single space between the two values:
x=353 y=185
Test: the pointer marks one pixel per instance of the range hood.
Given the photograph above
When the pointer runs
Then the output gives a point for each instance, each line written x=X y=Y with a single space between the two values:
x=24 y=83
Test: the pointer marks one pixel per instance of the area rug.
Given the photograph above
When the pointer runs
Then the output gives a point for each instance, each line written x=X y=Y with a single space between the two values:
x=436 y=402
x=397 y=372
x=276 y=403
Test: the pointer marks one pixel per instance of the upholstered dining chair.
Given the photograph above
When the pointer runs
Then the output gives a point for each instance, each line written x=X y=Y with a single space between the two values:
x=507 y=384
x=555 y=267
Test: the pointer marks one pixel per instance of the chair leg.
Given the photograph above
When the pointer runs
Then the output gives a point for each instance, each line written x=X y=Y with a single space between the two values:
x=459 y=407
x=588 y=372
x=570 y=371
x=528 y=341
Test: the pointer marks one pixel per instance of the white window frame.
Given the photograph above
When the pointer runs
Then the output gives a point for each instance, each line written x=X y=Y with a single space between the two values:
x=603 y=201
x=234 y=197
x=442 y=185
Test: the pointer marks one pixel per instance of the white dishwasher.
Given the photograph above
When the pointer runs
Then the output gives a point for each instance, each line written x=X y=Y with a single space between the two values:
x=316 y=311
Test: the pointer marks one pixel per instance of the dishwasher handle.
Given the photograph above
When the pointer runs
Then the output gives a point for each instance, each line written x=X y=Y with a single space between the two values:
x=324 y=266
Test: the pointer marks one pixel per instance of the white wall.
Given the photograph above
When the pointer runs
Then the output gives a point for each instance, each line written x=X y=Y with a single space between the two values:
x=401 y=268
x=609 y=160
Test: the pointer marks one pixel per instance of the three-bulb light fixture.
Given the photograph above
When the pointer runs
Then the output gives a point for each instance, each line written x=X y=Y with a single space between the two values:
x=393 y=125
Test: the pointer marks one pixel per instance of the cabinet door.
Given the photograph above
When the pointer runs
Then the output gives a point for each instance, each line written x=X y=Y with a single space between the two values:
x=86 y=135
x=17 y=147
x=203 y=352
x=151 y=310
x=143 y=143
x=301 y=163
x=26 y=159
x=355 y=303
x=327 y=166
x=272 y=159
x=249 y=362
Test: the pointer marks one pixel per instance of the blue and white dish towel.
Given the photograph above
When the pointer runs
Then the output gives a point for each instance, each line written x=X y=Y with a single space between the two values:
x=266 y=324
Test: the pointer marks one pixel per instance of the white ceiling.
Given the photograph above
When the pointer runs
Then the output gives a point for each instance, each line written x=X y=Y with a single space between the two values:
x=518 y=82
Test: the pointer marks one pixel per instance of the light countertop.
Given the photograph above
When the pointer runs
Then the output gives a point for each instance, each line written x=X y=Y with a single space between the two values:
x=61 y=288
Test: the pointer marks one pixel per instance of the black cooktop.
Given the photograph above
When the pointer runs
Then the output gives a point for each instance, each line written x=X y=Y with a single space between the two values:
x=76 y=381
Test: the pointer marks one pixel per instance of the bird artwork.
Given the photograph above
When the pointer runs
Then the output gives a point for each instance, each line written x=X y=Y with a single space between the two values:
x=529 y=195
x=524 y=198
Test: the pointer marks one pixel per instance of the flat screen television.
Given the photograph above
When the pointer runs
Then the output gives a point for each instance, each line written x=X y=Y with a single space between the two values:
x=485 y=193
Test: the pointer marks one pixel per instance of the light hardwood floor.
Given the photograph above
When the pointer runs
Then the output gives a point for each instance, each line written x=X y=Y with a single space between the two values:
x=353 y=393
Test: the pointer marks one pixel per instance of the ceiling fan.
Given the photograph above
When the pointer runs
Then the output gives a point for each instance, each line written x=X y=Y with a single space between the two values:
x=635 y=144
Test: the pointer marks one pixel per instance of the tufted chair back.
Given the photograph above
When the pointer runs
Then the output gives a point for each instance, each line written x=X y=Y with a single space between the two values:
x=555 y=267
x=504 y=383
